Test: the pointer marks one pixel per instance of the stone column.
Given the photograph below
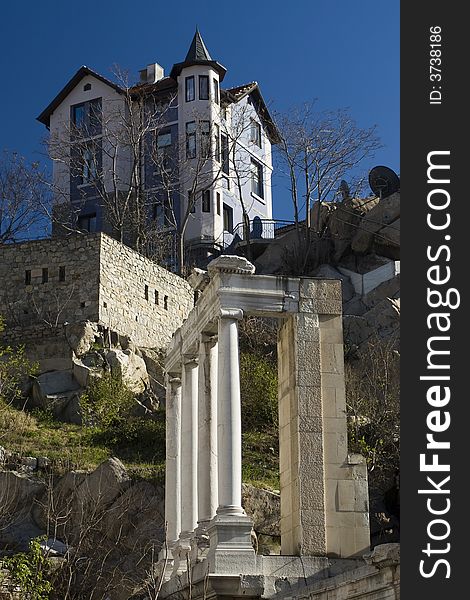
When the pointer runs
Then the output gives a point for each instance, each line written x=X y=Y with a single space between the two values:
x=189 y=449
x=173 y=465
x=230 y=529
x=207 y=432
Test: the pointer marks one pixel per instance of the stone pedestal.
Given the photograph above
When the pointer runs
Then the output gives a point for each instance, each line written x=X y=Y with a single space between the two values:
x=230 y=549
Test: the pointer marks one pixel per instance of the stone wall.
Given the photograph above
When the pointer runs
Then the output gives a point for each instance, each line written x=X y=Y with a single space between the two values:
x=138 y=298
x=48 y=283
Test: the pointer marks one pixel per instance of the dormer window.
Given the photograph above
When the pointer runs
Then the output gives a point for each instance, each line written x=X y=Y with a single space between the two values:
x=203 y=87
x=189 y=88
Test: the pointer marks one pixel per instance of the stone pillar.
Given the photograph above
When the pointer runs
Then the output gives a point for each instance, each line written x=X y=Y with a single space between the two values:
x=173 y=456
x=230 y=529
x=188 y=463
x=324 y=500
x=207 y=432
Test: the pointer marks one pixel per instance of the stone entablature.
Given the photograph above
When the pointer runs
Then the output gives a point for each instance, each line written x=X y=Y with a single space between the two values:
x=88 y=277
x=324 y=497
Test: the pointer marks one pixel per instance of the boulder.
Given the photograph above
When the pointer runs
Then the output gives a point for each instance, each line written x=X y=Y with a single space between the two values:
x=101 y=487
x=18 y=494
x=130 y=368
x=383 y=214
x=137 y=517
x=264 y=507
x=89 y=365
x=81 y=336
x=59 y=392
x=154 y=361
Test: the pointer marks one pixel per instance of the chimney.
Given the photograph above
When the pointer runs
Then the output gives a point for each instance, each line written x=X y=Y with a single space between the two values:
x=151 y=74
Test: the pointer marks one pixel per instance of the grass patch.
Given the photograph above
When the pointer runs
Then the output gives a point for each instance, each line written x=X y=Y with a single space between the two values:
x=260 y=464
x=141 y=446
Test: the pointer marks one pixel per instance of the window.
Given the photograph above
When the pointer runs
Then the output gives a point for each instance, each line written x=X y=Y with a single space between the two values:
x=146 y=292
x=45 y=275
x=87 y=223
x=87 y=87
x=206 y=201
x=217 y=142
x=156 y=297
x=257 y=186
x=162 y=213
x=205 y=139
x=215 y=87
x=27 y=277
x=191 y=202
x=255 y=133
x=225 y=154
x=189 y=88
x=89 y=165
x=86 y=117
x=61 y=273
x=203 y=87
x=191 y=139
x=165 y=302
x=218 y=202
x=164 y=147
x=228 y=218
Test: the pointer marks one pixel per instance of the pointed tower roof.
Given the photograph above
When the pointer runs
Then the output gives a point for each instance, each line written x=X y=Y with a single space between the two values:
x=197 y=50
x=198 y=54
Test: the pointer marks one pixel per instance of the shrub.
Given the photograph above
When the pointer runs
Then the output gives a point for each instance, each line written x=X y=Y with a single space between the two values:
x=258 y=380
x=14 y=369
x=29 y=571
x=107 y=402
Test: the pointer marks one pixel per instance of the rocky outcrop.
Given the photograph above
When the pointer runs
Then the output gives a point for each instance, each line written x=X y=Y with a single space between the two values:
x=130 y=368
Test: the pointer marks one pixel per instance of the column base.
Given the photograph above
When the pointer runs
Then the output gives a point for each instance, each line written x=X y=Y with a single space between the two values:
x=230 y=550
x=181 y=555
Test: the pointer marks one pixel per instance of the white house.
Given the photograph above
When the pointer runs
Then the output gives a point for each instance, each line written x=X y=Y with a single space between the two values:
x=204 y=151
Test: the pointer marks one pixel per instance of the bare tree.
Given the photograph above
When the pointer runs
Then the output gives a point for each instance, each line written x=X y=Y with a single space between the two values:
x=22 y=194
x=103 y=153
x=317 y=150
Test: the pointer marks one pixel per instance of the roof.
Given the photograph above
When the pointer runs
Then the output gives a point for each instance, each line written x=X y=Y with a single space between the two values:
x=162 y=85
x=197 y=50
x=45 y=116
x=198 y=55
x=251 y=89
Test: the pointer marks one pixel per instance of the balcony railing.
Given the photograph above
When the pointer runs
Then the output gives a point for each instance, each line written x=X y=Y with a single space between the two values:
x=261 y=229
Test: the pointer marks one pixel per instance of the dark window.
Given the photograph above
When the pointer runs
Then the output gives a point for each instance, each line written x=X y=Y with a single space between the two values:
x=191 y=202
x=206 y=201
x=156 y=296
x=205 y=139
x=215 y=85
x=87 y=87
x=146 y=292
x=189 y=88
x=257 y=186
x=217 y=142
x=225 y=154
x=87 y=223
x=255 y=132
x=86 y=117
x=89 y=167
x=165 y=302
x=61 y=273
x=218 y=202
x=27 y=277
x=203 y=87
x=228 y=218
x=82 y=304
x=191 y=139
x=164 y=147
x=45 y=275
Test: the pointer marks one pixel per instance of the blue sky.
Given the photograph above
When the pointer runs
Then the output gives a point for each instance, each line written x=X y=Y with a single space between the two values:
x=345 y=53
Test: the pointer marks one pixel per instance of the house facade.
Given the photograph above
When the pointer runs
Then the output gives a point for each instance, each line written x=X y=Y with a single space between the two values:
x=178 y=154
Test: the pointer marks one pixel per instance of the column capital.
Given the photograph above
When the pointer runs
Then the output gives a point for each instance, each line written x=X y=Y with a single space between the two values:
x=208 y=338
x=176 y=381
x=231 y=313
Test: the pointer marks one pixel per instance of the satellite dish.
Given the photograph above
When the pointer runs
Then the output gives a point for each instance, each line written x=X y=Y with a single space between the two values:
x=383 y=181
x=344 y=190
